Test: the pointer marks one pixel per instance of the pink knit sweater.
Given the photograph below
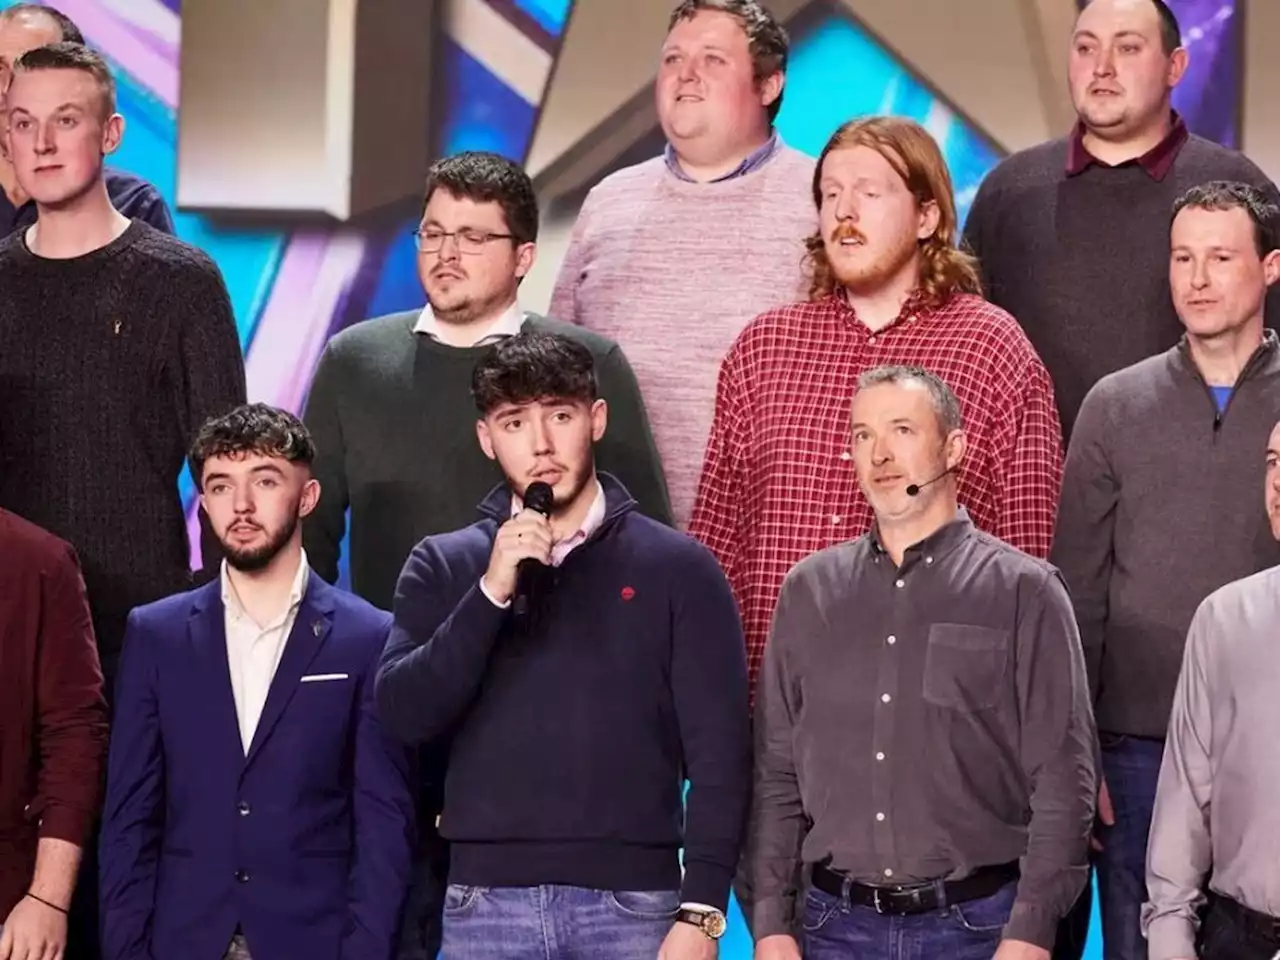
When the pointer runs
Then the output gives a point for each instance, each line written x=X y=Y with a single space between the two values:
x=673 y=271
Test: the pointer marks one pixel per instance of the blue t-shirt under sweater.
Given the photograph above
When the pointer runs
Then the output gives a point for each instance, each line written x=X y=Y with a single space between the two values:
x=571 y=737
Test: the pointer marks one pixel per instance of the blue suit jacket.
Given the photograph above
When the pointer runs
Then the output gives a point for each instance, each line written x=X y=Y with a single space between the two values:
x=305 y=843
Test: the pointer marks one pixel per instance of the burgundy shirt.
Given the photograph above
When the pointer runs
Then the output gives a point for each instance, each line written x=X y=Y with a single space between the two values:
x=778 y=482
x=1157 y=161
x=53 y=717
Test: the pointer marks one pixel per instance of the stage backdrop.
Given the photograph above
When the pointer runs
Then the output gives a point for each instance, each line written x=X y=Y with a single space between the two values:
x=295 y=280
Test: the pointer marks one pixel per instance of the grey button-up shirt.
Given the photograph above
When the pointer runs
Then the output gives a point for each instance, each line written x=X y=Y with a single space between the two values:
x=922 y=721
x=1217 y=811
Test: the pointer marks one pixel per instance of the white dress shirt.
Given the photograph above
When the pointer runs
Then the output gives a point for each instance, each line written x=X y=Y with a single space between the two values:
x=253 y=651
x=506 y=324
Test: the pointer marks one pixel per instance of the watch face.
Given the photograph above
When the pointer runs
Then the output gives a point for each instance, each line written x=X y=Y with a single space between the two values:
x=713 y=925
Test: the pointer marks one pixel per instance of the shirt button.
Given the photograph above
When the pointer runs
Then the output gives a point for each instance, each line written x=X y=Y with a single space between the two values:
x=888 y=872
x=845 y=455
x=835 y=519
x=892 y=640
x=900 y=584
x=928 y=560
x=242 y=808
x=885 y=698
x=879 y=756
x=880 y=817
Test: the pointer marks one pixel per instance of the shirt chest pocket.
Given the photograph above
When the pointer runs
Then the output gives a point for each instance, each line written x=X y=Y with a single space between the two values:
x=965 y=666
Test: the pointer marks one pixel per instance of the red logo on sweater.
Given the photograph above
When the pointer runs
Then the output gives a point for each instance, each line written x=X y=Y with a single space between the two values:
x=627 y=593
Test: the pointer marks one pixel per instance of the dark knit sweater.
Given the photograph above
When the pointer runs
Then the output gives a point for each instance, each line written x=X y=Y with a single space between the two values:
x=1161 y=505
x=572 y=738
x=1082 y=262
x=109 y=364
x=395 y=431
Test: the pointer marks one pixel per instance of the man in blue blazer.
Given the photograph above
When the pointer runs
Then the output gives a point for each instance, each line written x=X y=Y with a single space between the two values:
x=255 y=807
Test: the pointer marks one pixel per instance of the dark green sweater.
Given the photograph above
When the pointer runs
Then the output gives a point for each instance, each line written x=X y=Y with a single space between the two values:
x=395 y=428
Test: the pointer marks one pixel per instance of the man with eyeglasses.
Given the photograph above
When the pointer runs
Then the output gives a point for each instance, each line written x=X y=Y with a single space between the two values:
x=395 y=429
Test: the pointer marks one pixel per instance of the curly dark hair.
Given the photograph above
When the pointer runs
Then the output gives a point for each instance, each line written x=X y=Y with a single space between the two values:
x=1230 y=194
x=488 y=178
x=533 y=366
x=251 y=428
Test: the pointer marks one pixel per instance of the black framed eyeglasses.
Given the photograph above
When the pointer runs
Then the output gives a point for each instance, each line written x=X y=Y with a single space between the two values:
x=431 y=240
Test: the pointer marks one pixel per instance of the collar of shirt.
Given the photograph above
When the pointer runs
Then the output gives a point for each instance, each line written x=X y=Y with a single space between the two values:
x=1157 y=161
x=590 y=524
x=231 y=602
x=753 y=161
x=933 y=547
x=913 y=307
x=506 y=324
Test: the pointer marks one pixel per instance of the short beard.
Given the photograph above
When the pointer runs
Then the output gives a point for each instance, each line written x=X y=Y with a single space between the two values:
x=257 y=559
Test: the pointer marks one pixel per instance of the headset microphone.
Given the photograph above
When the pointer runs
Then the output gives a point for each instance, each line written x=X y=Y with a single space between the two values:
x=913 y=489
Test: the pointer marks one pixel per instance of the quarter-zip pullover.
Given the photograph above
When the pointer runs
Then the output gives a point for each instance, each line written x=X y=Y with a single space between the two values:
x=1162 y=503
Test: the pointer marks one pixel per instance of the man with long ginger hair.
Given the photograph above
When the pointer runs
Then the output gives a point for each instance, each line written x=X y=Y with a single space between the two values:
x=889 y=287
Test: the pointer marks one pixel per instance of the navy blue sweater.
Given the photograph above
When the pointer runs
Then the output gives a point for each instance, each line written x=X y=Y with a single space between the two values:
x=571 y=741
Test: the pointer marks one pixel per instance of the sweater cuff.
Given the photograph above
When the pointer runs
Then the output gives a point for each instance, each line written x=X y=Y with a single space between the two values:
x=1171 y=938
x=706 y=883
x=1032 y=924
x=59 y=822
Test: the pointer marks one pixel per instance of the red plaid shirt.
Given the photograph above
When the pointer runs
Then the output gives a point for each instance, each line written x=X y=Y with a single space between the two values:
x=778 y=483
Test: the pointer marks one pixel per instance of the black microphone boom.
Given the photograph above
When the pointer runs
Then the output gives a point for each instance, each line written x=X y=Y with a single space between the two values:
x=913 y=489
x=538 y=496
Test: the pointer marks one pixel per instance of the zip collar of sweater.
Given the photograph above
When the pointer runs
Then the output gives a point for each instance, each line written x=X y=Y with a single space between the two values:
x=1266 y=357
x=617 y=502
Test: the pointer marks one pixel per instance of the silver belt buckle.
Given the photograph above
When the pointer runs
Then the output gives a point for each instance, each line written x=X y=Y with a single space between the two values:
x=875 y=900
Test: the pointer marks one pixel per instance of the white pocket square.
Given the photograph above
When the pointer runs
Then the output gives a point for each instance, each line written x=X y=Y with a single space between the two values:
x=318 y=677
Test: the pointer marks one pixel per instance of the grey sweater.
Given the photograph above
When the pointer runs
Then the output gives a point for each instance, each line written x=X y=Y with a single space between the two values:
x=394 y=425
x=1082 y=262
x=1162 y=503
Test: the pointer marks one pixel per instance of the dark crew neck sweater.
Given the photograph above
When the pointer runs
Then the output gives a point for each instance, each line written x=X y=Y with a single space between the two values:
x=1162 y=503
x=1082 y=262
x=109 y=363
x=395 y=431
x=571 y=738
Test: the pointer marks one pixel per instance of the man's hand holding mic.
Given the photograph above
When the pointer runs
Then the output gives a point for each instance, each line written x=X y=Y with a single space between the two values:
x=526 y=536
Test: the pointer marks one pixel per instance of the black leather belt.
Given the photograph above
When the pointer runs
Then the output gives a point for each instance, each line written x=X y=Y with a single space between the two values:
x=915 y=897
x=1262 y=926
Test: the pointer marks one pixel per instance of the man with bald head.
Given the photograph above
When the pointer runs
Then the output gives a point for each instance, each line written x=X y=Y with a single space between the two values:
x=23 y=27
x=1073 y=234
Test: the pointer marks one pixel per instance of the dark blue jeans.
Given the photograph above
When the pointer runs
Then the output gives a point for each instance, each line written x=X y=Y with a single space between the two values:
x=1132 y=768
x=836 y=930
x=1224 y=937
x=568 y=923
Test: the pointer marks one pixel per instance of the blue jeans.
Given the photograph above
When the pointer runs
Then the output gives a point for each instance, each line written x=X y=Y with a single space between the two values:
x=1131 y=766
x=568 y=923
x=836 y=930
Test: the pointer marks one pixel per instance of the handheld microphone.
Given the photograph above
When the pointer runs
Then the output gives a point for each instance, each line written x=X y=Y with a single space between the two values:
x=541 y=498
x=913 y=489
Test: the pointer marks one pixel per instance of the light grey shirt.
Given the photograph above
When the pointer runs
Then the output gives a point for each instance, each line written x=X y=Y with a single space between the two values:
x=1217 y=812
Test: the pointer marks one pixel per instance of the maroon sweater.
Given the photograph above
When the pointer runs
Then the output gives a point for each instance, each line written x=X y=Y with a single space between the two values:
x=53 y=718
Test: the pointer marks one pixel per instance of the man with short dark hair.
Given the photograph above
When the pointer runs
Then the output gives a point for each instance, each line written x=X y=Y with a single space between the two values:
x=578 y=699
x=672 y=257
x=390 y=411
x=255 y=807
x=1160 y=508
x=23 y=27
x=924 y=745
x=1072 y=234
x=53 y=736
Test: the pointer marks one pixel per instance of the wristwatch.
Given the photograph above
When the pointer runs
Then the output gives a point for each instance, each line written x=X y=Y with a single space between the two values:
x=710 y=922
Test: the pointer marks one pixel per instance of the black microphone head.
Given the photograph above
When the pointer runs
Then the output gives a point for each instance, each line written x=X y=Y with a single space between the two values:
x=540 y=497
x=913 y=489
